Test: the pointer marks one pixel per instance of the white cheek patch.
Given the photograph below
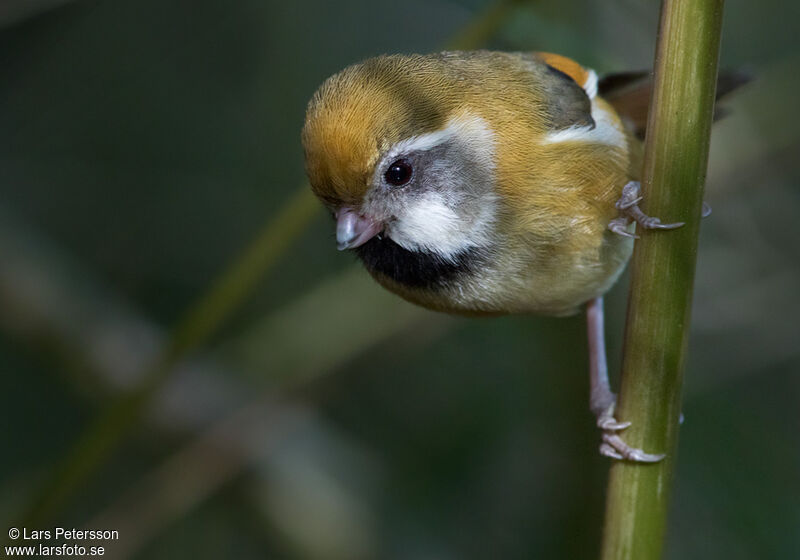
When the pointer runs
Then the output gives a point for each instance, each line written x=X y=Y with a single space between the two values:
x=431 y=221
x=606 y=131
x=428 y=224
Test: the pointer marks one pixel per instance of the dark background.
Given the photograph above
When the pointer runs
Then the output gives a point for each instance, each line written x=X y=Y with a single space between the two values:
x=144 y=143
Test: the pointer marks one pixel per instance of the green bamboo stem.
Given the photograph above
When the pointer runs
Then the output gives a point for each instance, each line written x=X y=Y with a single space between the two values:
x=662 y=274
x=202 y=320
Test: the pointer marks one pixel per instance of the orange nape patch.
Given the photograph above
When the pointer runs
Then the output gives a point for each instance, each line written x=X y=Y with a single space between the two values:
x=566 y=65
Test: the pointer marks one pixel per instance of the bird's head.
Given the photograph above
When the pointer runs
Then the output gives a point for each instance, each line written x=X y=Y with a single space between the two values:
x=394 y=151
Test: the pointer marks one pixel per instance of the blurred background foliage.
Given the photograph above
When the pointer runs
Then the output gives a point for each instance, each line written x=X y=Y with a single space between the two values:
x=145 y=143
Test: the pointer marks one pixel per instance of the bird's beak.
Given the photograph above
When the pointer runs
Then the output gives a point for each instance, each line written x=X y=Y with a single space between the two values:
x=353 y=230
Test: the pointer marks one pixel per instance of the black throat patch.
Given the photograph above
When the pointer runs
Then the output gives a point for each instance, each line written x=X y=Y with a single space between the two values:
x=415 y=269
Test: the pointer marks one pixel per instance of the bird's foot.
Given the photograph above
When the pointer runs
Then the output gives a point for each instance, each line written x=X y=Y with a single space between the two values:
x=628 y=206
x=620 y=227
x=614 y=446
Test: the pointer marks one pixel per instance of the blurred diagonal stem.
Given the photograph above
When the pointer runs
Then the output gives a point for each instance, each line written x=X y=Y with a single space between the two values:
x=482 y=28
x=192 y=331
x=662 y=275
x=205 y=318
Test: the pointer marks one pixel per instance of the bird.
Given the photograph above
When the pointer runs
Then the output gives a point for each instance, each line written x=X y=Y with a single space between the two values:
x=485 y=183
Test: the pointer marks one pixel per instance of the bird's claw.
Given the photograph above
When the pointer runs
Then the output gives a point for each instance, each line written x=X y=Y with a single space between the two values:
x=607 y=422
x=620 y=227
x=631 y=195
x=626 y=202
x=614 y=446
x=607 y=451
x=628 y=206
x=651 y=222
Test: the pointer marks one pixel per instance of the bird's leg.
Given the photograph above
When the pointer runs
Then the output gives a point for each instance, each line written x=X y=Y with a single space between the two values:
x=601 y=400
x=628 y=206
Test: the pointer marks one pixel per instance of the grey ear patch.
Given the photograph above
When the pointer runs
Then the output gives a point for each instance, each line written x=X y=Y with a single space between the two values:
x=568 y=104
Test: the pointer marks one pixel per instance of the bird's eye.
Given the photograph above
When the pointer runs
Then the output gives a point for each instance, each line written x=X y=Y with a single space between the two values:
x=398 y=173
